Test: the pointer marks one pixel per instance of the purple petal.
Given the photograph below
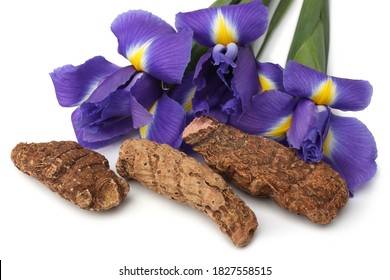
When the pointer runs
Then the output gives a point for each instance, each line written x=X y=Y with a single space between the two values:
x=140 y=115
x=223 y=60
x=270 y=76
x=101 y=123
x=232 y=106
x=352 y=95
x=303 y=120
x=168 y=55
x=219 y=115
x=242 y=23
x=308 y=130
x=203 y=67
x=94 y=132
x=146 y=89
x=268 y=114
x=116 y=105
x=245 y=82
x=135 y=28
x=152 y=45
x=225 y=55
x=338 y=93
x=211 y=92
x=122 y=104
x=116 y=80
x=184 y=92
x=167 y=124
x=73 y=84
x=350 y=149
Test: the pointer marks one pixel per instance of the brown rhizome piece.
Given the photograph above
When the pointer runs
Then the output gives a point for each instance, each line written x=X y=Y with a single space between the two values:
x=177 y=176
x=263 y=167
x=79 y=175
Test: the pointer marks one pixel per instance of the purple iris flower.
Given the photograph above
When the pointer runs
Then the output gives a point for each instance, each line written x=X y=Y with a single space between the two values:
x=299 y=114
x=317 y=133
x=226 y=76
x=113 y=101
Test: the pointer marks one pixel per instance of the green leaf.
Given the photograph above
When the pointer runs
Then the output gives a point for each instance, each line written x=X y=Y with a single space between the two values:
x=280 y=11
x=266 y=2
x=224 y=2
x=310 y=45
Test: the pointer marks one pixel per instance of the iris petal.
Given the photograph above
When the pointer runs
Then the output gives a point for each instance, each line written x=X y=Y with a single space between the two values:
x=270 y=76
x=308 y=130
x=134 y=30
x=202 y=68
x=350 y=149
x=269 y=114
x=152 y=45
x=303 y=121
x=74 y=84
x=245 y=81
x=184 y=93
x=343 y=94
x=139 y=114
x=168 y=55
x=122 y=104
x=116 y=80
x=167 y=124
x=146 y=89
x=242 y=23
x=211 y=91
x=102 y=123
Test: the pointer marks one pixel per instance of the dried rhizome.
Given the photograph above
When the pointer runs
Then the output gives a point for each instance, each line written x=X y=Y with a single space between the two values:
x=79 y=175
x=263 y=167
x=258 y=165
x=177 y=176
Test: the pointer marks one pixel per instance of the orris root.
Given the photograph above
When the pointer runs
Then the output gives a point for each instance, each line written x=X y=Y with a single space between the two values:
x=173 y=174
x=79 y=175
x=263 y=167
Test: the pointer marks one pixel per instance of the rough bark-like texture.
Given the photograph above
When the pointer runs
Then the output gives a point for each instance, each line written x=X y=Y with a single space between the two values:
x=79 y=175
x=179 y=177
x=263 y=167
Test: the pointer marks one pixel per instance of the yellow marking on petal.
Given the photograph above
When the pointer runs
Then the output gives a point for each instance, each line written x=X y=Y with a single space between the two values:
x=281 y=128
x=266 y=84
x=144 y=129
x=328 y=144
x=224 y=31
x=137 y=57
x=325 y=93
x=188 y=104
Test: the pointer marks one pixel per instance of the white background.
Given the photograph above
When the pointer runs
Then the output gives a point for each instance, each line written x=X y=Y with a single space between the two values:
x=43 y=236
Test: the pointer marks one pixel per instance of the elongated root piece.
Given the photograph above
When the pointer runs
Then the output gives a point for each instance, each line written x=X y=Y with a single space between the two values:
x=179 y=177
x=79 y=175
x=263 y=167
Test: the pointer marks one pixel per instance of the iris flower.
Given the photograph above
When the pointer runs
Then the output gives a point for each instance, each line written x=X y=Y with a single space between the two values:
x=302 y=114
x=226 y=75
x=112 y=101
x=317 y=133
